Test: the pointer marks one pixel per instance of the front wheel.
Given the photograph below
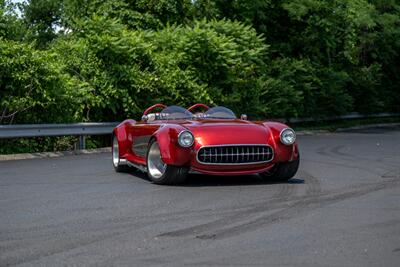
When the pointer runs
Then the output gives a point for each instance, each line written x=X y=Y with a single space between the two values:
x=116 y=160
x=281 y=172
x=161 y=173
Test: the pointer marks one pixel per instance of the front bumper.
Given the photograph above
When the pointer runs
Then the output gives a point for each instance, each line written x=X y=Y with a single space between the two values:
x=231 y=170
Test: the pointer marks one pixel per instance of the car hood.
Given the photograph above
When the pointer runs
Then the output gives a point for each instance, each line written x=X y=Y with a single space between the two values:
x=220 y=132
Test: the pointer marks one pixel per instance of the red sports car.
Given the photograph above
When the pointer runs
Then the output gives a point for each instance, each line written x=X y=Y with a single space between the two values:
x=175 y=141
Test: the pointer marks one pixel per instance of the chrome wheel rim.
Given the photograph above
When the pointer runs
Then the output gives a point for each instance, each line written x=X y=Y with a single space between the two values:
x=155 y=166
x=115 y=152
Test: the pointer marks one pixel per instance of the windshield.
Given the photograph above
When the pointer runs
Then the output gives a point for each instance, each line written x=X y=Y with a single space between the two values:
x=175 y=113
x=219 y=113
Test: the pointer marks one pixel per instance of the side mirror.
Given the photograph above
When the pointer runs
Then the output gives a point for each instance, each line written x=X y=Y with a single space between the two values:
x=243 y=117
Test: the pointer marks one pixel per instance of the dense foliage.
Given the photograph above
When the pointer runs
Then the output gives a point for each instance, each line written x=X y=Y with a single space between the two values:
x=105 y=60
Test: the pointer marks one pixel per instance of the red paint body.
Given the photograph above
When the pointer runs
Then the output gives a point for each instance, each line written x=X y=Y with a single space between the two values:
x=207 y=132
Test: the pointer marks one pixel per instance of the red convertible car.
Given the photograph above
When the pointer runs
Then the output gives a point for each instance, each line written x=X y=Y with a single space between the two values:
x=175 y=141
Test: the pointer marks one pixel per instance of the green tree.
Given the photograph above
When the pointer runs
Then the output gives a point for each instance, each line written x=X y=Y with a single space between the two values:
x=353 y=44
x=11 y=27
x=43 y=18
x=136 y=14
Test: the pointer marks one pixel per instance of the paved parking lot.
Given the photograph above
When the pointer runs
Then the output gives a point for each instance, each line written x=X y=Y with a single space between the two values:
x=341 y=209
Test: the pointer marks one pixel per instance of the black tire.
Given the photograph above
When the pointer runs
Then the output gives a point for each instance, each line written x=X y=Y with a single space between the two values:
x=169 y=174
x=116 y=161
x=281 y=172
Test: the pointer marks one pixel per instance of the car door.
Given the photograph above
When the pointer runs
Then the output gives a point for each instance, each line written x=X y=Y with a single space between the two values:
x=141 y=134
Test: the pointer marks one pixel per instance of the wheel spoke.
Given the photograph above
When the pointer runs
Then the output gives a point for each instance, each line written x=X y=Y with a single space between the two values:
x=156 y=167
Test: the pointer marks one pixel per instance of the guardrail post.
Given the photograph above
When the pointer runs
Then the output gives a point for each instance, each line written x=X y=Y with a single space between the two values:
x=82 y=142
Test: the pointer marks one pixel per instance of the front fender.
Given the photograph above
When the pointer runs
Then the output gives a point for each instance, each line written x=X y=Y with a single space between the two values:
x=283 y=153
x=171 y=152
x=120 y=131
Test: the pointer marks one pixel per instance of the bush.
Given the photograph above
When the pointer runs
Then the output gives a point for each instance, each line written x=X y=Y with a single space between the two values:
x=123 y=71
x=33 y=86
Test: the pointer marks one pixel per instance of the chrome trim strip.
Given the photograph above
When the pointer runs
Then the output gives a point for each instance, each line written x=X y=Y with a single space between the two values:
x=191 y=171
x=233 y=154
x=137 y=166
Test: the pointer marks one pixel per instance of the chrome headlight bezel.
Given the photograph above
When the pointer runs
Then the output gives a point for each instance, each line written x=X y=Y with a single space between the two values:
x=182 y=136
x=288 y=136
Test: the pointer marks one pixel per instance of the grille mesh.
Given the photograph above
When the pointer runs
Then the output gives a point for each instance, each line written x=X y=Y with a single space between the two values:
x=235 y=154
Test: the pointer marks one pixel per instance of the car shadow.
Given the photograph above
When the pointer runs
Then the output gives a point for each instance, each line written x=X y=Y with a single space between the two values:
x=198 y=180
x=201 y=180
x=138 y=174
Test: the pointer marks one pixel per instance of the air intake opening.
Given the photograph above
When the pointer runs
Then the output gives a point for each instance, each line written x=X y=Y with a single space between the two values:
x=235 y=154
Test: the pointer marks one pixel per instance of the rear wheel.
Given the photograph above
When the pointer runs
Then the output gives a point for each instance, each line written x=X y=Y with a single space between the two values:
x=161 y=173
x=116 y=160
x=281 y=172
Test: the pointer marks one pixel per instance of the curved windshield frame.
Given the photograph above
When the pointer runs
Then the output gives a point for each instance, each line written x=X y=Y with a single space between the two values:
x=175 y=113
x=219 y=113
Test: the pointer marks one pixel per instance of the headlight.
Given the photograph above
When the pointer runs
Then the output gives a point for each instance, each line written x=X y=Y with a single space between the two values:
x=185 y=138
x=288 y=136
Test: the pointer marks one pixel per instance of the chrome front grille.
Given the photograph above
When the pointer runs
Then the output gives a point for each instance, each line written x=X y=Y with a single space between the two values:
x=235 y=154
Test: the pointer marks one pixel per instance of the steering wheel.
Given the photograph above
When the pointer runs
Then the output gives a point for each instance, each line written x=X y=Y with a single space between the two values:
x=198 y=105
x=147 y=111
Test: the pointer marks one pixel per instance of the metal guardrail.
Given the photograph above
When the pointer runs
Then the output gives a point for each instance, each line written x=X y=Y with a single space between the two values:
x=74 y=129
x=104 y=128
x=349 y=116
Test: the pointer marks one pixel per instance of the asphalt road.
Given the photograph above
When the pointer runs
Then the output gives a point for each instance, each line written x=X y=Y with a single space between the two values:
x=341 y=209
